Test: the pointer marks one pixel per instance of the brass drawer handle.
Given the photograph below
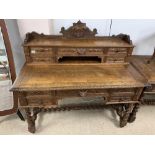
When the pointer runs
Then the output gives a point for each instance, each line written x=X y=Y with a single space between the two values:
x=83 y=93
x=81 y=51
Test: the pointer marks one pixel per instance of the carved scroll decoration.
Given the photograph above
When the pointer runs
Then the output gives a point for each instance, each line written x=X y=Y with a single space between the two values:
x=33 y=35
x=124 y=37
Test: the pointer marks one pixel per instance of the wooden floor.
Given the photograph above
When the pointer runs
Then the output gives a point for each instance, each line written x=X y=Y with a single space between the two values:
x=6 y=99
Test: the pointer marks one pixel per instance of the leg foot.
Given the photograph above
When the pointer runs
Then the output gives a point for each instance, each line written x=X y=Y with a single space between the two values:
x=132 y=116
x=30 y=121
x=127 y=111
x=123 y=111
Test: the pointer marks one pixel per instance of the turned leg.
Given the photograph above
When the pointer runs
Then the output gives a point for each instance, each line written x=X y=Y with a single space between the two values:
x=127 y=110
x=30 y=121
x=132 y=116
x=123 y=111
x=35 y=112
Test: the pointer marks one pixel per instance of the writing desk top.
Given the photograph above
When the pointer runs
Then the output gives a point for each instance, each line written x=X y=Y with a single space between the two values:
x=76 y=76
x=147 y=69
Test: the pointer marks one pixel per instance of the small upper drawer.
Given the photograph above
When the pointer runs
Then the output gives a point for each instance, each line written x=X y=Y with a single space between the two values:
x=42 y=55
x=41 y=52
x=115 y=59
x=116 y=51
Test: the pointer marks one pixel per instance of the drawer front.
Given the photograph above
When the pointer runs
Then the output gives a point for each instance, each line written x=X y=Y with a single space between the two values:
x=80 y=52
x=41 y=101
x=116 y=55
x=120 y=98
x=81 y=93
x=42 y=59
x=40 y=98
x=112 y=59
x=42 y=54
x=117 y=51
x=120 y=95
x=50 y=98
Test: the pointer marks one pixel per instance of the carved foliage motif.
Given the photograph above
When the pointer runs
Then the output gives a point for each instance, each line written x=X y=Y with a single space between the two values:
x=78 y=30
x=32 y=35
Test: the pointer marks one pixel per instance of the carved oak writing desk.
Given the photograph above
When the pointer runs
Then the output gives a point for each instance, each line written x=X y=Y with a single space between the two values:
x=78 y=64
x=146 y=66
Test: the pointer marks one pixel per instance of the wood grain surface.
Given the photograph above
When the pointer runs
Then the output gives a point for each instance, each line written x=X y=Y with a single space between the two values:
x=96 y=42
x=85 y=76
x=146 y=69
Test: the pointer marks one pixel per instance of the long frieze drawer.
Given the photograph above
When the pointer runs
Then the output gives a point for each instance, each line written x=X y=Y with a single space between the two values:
x=82 y=93
x=80 y=51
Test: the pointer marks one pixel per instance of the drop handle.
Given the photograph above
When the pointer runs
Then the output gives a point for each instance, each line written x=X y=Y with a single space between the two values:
x=83 y=93
x=81 y=51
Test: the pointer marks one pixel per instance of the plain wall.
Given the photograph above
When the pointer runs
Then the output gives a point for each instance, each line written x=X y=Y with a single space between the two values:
x=16 y=43
x=38 y=25
x=102 y=26
x=141 y=31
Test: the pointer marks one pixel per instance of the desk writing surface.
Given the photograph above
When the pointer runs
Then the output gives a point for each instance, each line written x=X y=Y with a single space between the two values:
x=105 y=42
x=76 y=76
x=148 y=70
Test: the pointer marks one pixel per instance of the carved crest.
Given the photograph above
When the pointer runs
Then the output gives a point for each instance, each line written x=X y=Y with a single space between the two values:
x=78 y=30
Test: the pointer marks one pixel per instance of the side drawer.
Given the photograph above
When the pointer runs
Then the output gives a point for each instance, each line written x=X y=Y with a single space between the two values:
x=120 y=98
x=40 y=98
x=121 y=95
x=42 y=54
x=117 y=51
x=115 y=59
